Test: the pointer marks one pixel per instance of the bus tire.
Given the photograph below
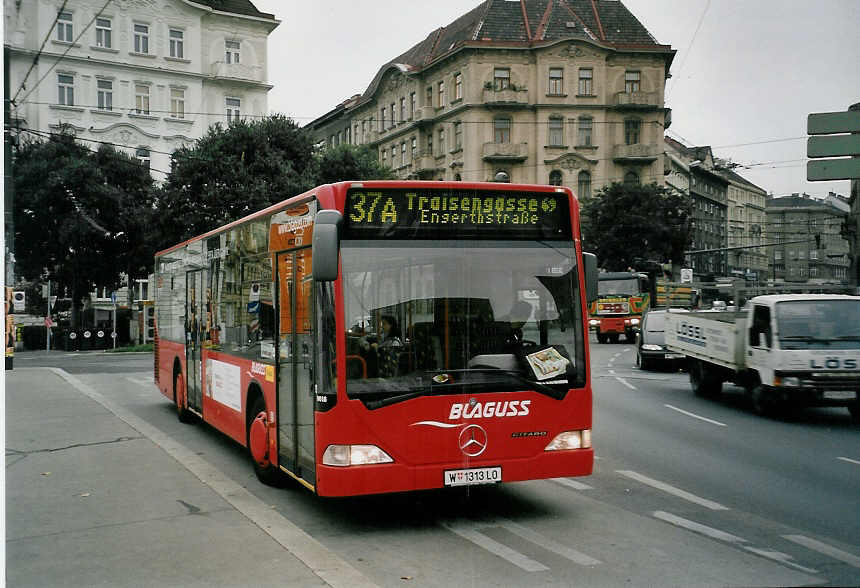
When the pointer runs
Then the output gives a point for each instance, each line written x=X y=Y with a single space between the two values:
x=854 y=409
x=180 y=398
x=258 y=444
x=763 y=401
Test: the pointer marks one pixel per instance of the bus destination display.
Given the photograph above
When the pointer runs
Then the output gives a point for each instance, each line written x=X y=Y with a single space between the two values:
x=427 y=214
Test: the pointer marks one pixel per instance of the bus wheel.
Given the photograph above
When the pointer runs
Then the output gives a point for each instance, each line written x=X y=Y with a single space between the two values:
x=180 y=397
x=763 y=402
x=703 y=382
x=854 y=409
x=258 y=445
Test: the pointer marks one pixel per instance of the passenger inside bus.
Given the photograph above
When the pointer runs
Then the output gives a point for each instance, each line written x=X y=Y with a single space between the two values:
x=382 y=353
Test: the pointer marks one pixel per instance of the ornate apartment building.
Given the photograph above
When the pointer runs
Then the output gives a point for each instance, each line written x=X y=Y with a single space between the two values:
x=747 y=235
x=147 y=76
x=535 y=91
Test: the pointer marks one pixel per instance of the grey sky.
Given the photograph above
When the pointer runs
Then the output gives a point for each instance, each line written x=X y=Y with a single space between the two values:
x=752 y=73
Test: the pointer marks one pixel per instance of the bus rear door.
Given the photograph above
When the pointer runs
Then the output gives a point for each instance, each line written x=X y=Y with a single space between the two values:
x=195 y=324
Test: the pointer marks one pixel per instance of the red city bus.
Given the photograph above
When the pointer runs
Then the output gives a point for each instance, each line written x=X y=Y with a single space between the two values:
x=387 y=336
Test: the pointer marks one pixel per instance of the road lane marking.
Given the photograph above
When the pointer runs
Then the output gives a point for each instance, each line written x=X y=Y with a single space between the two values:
x=843 y=556
x=622 y=380
x=323 y=562
x=672 y=490
x=515 y=557
x=849 y=460
x=571 y=483
x=779 y=557
x=698 y=527
x=695 y=416
x=549 y=544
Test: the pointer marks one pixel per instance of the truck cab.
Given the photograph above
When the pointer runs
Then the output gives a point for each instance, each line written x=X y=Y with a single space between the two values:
x=622 y=299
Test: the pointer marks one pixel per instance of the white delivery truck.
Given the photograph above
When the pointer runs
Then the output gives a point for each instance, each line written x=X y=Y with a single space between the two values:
x=786 y=350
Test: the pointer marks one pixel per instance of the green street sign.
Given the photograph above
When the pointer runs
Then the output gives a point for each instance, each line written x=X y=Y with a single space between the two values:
x=833 y=169
x=833 y=145
x=824 y=123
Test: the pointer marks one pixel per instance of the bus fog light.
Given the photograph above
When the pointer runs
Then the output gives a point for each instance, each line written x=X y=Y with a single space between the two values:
x=346 y=455
x=570 y=440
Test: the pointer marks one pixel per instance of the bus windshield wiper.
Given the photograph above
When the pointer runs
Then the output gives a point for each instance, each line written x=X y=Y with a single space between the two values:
x=538 y=386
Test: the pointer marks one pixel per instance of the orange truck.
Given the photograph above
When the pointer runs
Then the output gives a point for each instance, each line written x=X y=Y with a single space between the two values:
x=623 y=297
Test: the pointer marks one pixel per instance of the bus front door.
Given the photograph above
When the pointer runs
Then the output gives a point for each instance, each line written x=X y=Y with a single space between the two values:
x=195 y=320
x=295 y=364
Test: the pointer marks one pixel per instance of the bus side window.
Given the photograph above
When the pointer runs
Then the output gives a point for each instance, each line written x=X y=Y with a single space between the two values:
x=760 y=326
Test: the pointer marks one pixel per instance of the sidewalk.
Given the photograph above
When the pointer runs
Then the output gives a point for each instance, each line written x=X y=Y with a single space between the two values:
x=91 y=501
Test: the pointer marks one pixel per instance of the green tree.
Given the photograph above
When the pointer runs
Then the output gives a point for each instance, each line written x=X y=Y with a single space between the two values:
x=231 y=172
x=75 y=214
x=625 y=225
x=349 y=162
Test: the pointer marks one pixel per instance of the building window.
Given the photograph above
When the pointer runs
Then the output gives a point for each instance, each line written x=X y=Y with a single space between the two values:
x=501 y=78
x=429 y=96
x=556 y=80
x=64 y=27
x=631 y=81
x=631 y=131
x=555 y=178
x=384 y=156
x=141 y=99
x=381 y=125
x=441 y=140
x=458 y=136
x=414 y=148
x=141 y=38
x=458 y=86
x=103 y=33
x=231 y=51
x=66 y=86
x=556 y=131
x=413 y=99
x=393 y=121
x=104 y=90
x=403 y=152
x=177 y=102
x=441 y=94
x=583 y=185
x=429 y=143
x=356 y=137
x=177 y=44
x=233 y=106
x=402 y=109
x=584 y=136
x=502 y=130
x=631 y=179
x=143 y=156
x=586 y=75
x=363 y=130
x=393 y=155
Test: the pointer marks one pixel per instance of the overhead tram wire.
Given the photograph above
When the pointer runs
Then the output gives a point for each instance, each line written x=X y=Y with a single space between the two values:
x=69 y=48
x=690 y=46
x=39 y=52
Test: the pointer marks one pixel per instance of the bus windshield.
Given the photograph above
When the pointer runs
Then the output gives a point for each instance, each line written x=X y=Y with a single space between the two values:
x=625 y=287
x=446 y=317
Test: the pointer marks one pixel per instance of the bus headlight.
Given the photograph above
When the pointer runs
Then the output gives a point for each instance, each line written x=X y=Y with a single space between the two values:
x=347 y=455
x=634 y=321
x=570 y=440
x=792 y=382
x=593 y=323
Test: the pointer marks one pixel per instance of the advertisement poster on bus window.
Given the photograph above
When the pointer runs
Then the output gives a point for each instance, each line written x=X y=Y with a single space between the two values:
x=292 y=228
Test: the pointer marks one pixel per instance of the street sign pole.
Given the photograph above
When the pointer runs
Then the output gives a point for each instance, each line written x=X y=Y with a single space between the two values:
x=48 y=321
x=113 y=333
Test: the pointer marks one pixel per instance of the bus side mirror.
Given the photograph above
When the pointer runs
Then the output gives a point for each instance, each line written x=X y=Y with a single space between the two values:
x=590 y=261
x=326 y=245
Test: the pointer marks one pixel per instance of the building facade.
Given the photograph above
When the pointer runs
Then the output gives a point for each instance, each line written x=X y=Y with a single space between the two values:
x=745 y=207
x=809 y=236
x=147 y=76
x=533 y=91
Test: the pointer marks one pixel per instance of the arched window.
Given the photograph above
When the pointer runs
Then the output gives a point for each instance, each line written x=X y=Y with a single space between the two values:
x=143 y=156
x=555 y=178
x=583 y=185
x=631 y=179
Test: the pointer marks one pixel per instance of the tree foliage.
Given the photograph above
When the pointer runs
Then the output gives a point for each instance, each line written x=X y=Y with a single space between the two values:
x=80 y=216
x=234 y=171
x=349 y=162
x=627 y=225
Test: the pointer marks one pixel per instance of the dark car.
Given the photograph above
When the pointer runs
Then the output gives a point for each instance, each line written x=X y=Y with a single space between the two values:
x=651 y=343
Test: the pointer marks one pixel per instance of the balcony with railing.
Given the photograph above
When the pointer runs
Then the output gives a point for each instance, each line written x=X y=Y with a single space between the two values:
x=505 y=151
x=239 y=71
x=506 y=97
x=637 y=100
x=638 y=153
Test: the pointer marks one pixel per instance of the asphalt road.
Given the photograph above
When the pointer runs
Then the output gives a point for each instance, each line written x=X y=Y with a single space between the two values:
x=686 y=491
